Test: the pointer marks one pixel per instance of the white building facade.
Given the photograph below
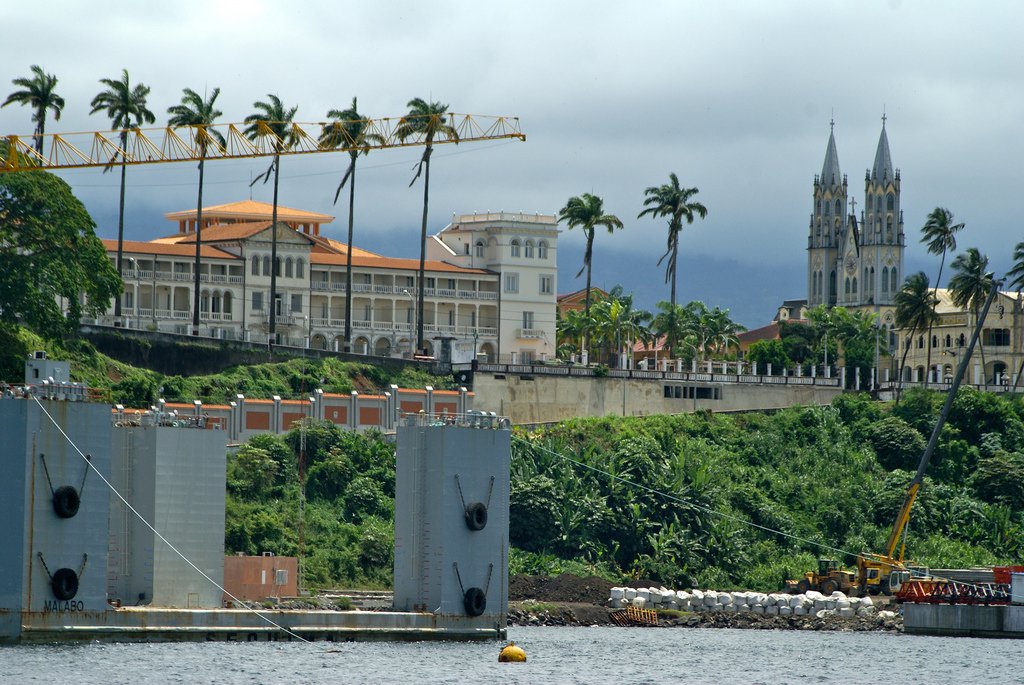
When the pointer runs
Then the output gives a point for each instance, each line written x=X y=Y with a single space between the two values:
x=466 y=301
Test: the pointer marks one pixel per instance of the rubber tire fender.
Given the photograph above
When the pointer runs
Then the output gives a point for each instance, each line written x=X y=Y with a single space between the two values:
x=64 y=584
x=476 y=516
x=475 y=601
x=66 y=501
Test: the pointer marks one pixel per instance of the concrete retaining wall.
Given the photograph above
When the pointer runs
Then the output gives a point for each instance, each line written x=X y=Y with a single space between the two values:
x=963 y=620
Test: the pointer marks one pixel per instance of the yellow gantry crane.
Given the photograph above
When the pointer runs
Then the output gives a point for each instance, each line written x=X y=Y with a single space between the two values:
x=194 y=143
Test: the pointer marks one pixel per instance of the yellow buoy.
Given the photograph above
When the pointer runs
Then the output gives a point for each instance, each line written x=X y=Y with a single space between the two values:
x=512 y=652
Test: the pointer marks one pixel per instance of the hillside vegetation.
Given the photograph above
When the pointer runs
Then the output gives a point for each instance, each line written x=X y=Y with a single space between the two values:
x=706 y=493
x=131 y=386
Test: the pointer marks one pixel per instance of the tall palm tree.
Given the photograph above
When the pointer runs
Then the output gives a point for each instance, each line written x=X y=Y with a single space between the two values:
x=350 y=131
x=273 y=119
x=670 y=200
x=1016 y=280
x=126 y=107
x=970 y=287
x=426 y=120
x=39 y=94
x=200 y=112
x=939 y=233
x=587 y=212
x=915 y=312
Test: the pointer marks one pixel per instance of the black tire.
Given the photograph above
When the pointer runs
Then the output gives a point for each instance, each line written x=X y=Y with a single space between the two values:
x=476 y=516
x=66 y=501
x=884 y=588
x=64 y=584
x=475 y=601
x=803 y=586
x=828 y=587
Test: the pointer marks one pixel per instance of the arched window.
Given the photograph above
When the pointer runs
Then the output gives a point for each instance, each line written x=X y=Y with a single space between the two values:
x=528 y=249
x=885 y=279
x=255 y=265
x=847 y=286
x=890 y=202
x=215 y=302
x=515 y=248
x=854 y=285
x=819 y=206
x=300 y=268
x=266 y=265
x=479 y=248
x=289 y=267
x=204 y=301
x=894 y=285
x=935 y=341
x=869 y=201
x=227 y=302
x=832 y=284
x=839 y=208
x=920 y=342
x=277 y=267
x=871 y=283
x=542 y=250
x=888 y=229
x=949 y=340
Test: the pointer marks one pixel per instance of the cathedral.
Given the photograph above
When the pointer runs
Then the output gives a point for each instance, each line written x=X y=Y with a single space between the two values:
x=856 y=262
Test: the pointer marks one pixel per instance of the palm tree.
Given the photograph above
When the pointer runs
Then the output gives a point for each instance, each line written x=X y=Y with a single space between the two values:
x=674 y=202
x=126 y=107
x=939 y=232
x=196 y=111
x=587 y=212
x=674 y=323
x=350 y=131
x=38 y=94
x=427 y=120
x=1016 y=280
x=272 y=118
x=970 y=287
x=915 y=312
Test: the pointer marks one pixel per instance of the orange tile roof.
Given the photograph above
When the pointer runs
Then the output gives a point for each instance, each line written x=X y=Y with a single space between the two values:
x=252 y=209
x=327 y=244
x=230 y=232
x=326 y=258
x=172 y=249
x=769 y=332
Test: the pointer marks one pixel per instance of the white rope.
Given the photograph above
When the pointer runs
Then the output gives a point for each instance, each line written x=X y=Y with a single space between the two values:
x=157 y=533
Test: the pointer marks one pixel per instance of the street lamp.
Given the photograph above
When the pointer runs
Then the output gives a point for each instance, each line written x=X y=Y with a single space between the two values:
x=412 y=330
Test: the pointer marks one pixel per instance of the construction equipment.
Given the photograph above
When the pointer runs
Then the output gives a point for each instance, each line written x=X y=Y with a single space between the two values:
x=827 y=579
x=884 y=573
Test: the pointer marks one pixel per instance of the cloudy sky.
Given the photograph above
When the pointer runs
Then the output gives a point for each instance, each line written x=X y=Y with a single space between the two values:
x=735 y=97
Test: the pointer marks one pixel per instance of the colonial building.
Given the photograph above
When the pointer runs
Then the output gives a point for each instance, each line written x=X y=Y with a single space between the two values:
x=489 y=284
x=857 y=263
x=1001 y=343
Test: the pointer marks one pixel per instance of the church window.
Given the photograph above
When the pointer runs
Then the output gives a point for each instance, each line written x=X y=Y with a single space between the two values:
x=871 y=284
x=832 y=284
x=854 y=285
x=847 y=286
x=885 y=279
x=949 y=340
x=895 y=280
x=869 y=202
x=890 y=202
x=888 y=229
x=819 y=206
x=839 y=208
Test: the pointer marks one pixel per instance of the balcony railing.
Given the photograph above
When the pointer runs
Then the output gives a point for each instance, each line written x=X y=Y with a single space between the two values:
x=530 y=333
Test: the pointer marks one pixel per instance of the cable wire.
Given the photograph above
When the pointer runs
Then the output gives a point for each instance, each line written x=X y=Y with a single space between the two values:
x=156 y=532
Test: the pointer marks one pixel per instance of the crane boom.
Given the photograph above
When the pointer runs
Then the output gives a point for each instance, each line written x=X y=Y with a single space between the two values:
x=915 y=485
x=193 y=143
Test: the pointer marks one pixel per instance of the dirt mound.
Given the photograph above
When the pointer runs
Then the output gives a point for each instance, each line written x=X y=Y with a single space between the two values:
x=563 y=588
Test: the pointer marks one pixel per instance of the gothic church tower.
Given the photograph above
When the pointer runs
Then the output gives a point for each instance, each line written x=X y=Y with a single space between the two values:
x=857 y=264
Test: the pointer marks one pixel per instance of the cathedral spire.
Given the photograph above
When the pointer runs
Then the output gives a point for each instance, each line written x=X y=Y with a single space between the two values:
x=882 y=169
x=831 y=176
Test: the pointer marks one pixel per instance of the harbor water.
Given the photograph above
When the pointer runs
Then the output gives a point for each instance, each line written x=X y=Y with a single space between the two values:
x=555 y=655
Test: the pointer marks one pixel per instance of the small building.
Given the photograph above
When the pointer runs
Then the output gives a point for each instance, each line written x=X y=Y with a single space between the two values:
x=258 y=578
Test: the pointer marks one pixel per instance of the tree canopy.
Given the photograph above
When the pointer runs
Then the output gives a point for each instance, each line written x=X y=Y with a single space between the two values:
x=49 y=255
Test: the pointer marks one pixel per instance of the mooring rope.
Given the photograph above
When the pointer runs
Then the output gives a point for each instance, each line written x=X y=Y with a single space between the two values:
x=158 y=534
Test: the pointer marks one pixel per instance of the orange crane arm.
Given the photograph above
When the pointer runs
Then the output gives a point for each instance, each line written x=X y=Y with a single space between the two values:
x=193 y=143
x=915 y=485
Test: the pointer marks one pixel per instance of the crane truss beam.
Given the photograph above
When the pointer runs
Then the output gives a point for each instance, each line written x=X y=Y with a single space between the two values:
x=193 y=143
